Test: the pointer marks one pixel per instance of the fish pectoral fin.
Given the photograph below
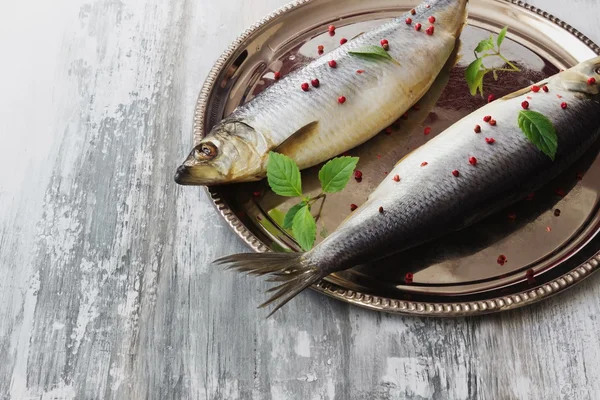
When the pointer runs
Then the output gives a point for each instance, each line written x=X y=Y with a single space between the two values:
x=299 y=139
x=502 y=203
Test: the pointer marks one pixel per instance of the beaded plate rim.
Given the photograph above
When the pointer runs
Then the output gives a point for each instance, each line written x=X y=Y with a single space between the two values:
x=380 y=303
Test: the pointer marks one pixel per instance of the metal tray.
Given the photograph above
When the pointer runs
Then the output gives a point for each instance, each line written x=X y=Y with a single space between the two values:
x=456 y=275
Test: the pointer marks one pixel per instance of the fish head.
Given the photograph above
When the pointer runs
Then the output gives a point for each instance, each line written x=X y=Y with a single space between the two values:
x=577 y=79
x=225 y=155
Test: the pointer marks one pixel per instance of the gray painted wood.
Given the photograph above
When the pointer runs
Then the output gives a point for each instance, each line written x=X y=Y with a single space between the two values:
x=105 y=286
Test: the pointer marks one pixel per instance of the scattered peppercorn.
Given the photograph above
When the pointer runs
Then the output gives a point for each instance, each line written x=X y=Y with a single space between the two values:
x=456 y=173
x=525 y=105
x=557 y=213
x=530 y=276
x=432 y=19
x=489 y=140
x=535 y=88
x=396 y=178
x=545 y=89
x=321 y=49
x=493 y=122
x=472 y=161
x=591 y=81
x=343 y=41
x=353 y=207
x=548 y=229
x=477 y=129
x=360 y=71
x=315 y=83
x=408 y=21
x=427 y=130
x=332 y=64
x=305 y=86
x=502 y=259
x=564 y=105
x=413 y=11
x=424 y=163
x=358 y=174
x=491 y=98
x=487 y=118
x=331 y=28
x=430 y=30
x=381 y=210
x=341 y=100
x=418 y=27
x=277 y=75
x=408 y=278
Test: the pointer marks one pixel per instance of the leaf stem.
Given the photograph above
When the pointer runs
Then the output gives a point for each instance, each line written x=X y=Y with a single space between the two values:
x=318 y=216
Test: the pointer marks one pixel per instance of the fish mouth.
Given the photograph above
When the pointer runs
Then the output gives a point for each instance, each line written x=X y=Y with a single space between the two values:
x=198 y=175
x=182 y=175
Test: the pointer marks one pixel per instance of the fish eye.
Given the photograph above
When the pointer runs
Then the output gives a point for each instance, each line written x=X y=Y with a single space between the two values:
x=205 y=151
x=598 y=70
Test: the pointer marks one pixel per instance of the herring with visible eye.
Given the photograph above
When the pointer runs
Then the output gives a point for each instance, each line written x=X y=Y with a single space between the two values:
x=355 y=98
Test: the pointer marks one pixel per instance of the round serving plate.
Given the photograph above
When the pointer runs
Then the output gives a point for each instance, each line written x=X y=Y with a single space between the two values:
x=550 y=240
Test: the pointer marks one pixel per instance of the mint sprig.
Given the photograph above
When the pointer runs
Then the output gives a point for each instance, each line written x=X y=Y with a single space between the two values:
x=372 y=52
x=540 y=131
x=305 y=228
x=334 y=175
x=476 y=71
x=284 y=178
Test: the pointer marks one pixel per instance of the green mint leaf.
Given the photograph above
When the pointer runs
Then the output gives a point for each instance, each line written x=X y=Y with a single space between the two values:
x=474 y=76
x=277 y=216
x=540 y=131
x=283 y=175
x=485 y=45
x=501 y=36
x=305 y=228
x=336 y=174
x=372 y=52
x=289 y=217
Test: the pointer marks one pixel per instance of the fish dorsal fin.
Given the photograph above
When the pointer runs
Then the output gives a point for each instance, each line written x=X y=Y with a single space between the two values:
x=298 y=140
x=405 y=156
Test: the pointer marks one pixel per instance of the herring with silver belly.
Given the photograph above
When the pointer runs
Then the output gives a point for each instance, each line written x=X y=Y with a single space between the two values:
x=312 y=124
x=453 y=181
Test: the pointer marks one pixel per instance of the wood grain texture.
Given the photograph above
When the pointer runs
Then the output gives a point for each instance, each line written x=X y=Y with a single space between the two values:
x=105 y=286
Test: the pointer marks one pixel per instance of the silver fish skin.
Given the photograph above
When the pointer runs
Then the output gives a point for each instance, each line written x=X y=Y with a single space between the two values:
x=430 y=201
x=312 y=126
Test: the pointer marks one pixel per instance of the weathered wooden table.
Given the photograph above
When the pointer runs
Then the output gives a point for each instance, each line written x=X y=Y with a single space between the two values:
x=105 y=285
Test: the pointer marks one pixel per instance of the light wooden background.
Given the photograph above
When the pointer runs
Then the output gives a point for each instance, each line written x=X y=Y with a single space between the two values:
x=105 y=284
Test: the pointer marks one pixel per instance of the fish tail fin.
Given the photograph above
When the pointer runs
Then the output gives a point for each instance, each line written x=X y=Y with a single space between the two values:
x=291 y=271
